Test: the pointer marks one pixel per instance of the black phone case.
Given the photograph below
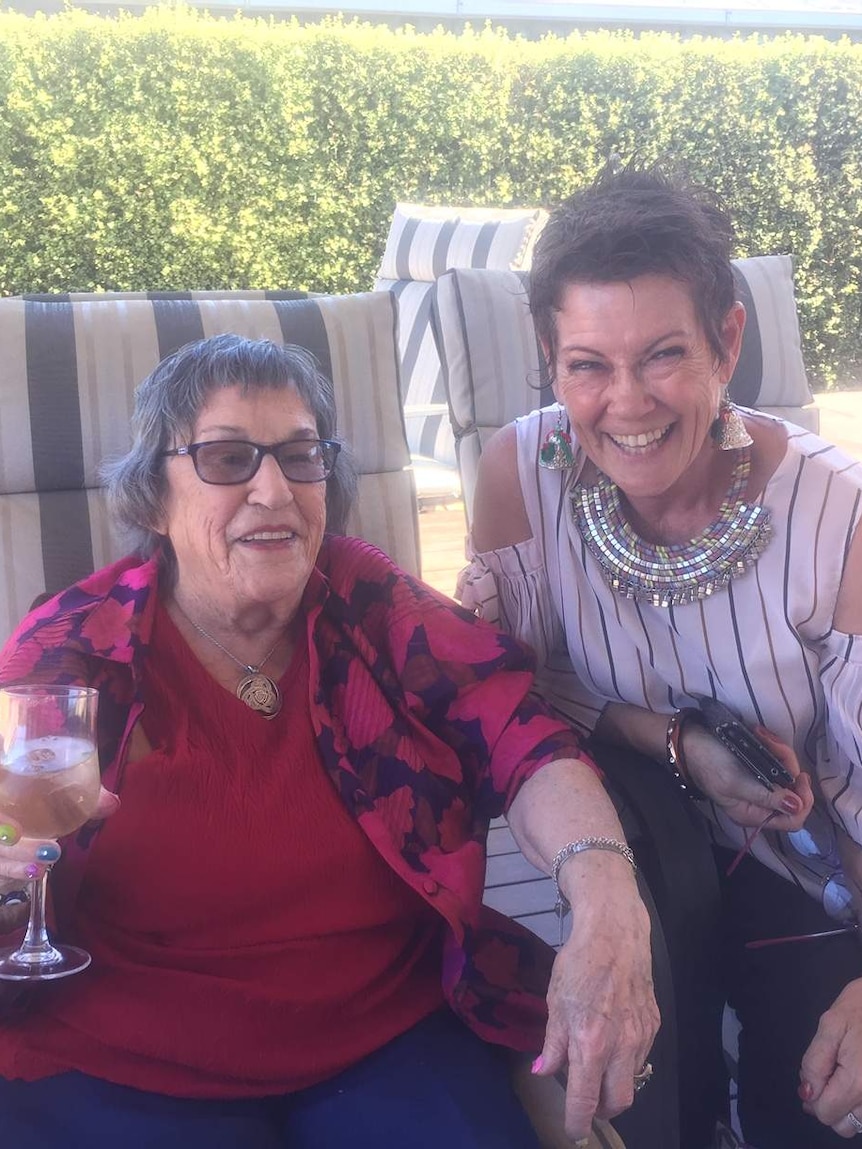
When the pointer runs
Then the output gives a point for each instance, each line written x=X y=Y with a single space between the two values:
x=753 y=755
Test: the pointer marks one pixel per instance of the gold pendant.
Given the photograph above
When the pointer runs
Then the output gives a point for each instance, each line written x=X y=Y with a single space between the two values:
x=260 y=693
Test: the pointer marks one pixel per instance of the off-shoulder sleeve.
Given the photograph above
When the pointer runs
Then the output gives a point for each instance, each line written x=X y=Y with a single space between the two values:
x=509 y=588
x=840 y=753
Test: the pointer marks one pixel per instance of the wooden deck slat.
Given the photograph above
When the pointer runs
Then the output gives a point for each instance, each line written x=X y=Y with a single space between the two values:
x=522 y=897
x=503 y=869
x=500 y=841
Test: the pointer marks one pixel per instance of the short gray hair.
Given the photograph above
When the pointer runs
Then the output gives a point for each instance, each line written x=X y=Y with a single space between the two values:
x=169 y=401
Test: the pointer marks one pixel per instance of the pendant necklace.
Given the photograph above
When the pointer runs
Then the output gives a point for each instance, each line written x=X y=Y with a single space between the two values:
x=257 y=690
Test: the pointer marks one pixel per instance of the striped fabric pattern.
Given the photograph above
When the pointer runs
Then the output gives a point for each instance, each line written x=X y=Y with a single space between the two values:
x=771 y=371
x=766 y=646
x=493 y=371
x=426 y=240
x=426 y=416
x=67 y=379
x=105 y=296
x=423 y=243
x=491 y=364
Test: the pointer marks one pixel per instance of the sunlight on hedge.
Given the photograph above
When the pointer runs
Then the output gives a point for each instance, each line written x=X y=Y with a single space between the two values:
x=177 y=150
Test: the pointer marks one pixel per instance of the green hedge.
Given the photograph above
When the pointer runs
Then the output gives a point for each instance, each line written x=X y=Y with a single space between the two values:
x=176 y=150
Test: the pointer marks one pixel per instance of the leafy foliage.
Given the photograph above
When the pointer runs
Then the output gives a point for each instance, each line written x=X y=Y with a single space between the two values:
x=177 y=150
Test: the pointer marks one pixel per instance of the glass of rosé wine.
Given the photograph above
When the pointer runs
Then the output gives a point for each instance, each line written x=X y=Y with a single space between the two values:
x=49 y=785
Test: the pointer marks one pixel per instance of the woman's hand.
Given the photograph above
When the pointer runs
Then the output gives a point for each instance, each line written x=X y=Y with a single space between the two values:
x=715 y=771
x=831 y=1073
x=603 y=1016
x=25 y=859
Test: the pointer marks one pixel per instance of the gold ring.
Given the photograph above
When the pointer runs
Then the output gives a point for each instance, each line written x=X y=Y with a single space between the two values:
x=645 y=1074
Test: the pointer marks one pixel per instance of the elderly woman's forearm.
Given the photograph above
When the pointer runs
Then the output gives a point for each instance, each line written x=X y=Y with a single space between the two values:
x=561 y=803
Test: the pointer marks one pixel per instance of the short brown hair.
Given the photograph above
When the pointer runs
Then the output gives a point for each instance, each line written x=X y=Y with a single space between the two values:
x=631 y=222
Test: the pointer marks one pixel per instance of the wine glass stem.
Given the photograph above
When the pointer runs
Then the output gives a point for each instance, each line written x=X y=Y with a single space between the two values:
x=36 y=947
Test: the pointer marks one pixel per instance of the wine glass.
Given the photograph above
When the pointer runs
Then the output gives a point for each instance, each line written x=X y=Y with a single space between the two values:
x=49 y=784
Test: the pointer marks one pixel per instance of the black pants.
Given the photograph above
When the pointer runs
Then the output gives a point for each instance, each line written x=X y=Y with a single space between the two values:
x=779 y=994
x=689 y=1090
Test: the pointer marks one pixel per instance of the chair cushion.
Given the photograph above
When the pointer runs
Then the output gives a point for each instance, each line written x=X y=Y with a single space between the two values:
x=66 y=394
x=771 y=370
x=426 y=416
x=107 y=296
x=493 y=370
x=424 y=240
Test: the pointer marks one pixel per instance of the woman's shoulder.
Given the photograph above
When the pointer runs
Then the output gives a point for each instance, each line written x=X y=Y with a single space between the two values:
x=824 y=455
x=99 y=615
x=345 y=558
x=815 y=472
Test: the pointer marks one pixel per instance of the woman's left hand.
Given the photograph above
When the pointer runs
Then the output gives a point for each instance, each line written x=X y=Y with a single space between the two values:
x=831 y=1073
x=717 y=773
x=603 y=1016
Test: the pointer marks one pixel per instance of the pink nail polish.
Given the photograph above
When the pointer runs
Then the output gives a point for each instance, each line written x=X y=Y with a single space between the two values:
x=805 y=1091
x=33 y=872
x=536 y=1067
x=790 y=805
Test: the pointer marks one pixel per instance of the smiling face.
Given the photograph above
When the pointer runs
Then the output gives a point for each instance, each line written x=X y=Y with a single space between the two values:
x=639 y=381
x=254 y=544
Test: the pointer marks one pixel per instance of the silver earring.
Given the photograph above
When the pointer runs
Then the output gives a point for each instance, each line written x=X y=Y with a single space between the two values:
x=556 y=453
x=729 y=432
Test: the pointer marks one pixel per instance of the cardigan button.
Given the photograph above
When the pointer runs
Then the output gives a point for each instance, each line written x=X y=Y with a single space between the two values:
x=430 y=886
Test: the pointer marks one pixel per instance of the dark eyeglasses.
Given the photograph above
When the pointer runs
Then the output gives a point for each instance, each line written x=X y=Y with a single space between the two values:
x=224 y=462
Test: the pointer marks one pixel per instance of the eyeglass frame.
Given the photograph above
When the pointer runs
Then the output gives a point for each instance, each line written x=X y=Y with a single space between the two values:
x=263 y=449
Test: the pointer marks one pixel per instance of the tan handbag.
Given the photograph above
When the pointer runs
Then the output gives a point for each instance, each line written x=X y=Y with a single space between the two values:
x=544 y=1100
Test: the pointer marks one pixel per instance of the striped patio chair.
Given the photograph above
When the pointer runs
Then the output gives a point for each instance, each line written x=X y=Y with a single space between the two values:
x=67 y=379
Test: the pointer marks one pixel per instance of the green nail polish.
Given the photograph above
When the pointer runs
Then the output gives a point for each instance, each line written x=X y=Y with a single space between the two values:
x=8 y=834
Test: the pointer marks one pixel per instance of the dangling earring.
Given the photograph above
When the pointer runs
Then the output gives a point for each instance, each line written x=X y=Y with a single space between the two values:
x=556 y=453
x=728 y=430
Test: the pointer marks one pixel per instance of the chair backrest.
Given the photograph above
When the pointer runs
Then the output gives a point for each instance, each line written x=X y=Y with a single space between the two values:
x=423 y=243
x=67 y=380
x=493 y=369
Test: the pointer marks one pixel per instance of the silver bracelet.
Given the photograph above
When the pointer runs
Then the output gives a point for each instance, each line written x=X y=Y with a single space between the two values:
x=562 y=906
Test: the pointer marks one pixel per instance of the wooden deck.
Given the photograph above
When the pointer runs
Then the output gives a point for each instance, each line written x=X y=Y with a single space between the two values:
x=442 y=534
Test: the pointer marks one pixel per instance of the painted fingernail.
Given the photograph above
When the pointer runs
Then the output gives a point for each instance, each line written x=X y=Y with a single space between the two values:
x=8 y=834
x=790 y=805
x=805 y=1091
x=49 y=852
x=537 y=1065
x=33 y=872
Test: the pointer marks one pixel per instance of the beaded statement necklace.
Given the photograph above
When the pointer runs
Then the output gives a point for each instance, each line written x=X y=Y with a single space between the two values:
x=679 y=573
x=257 y=690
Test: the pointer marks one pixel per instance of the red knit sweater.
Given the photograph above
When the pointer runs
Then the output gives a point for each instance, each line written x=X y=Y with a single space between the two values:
x=247 y=939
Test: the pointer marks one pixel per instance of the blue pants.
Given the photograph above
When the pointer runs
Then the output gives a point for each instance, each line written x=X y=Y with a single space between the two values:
x=437 y=1085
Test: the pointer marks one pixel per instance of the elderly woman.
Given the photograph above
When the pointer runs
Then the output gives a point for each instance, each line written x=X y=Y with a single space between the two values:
x=301 y=750
x=674 y=546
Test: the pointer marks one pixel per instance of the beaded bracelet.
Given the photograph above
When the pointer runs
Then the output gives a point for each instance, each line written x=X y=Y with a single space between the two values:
x=562 y=906
x=675 y=756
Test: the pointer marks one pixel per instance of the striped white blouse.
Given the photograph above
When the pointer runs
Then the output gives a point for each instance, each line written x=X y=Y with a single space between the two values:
x=765 y=645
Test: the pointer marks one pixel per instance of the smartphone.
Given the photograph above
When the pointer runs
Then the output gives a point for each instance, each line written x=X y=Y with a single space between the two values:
x=742 y=744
